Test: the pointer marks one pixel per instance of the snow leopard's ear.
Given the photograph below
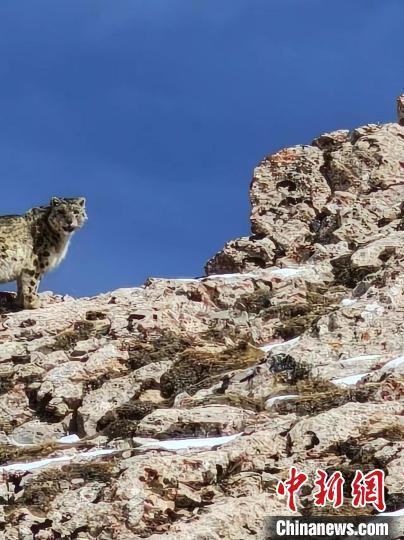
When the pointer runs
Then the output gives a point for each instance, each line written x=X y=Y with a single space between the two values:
x=55 y=201
x=81 y=201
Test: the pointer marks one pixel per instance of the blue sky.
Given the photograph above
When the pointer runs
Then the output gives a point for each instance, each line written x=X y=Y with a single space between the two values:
x=158 y=110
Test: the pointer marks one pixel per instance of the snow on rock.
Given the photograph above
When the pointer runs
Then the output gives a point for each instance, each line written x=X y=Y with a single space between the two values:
x=39 y=464
x=350 y=379
x=361 y=358
x=172 y=445
x=187 y=444
x=271 y=401
x=288 y=272
x=69 y=439
x=288 y=343
x=346 y=302
x=393 y=364
x=396 y=513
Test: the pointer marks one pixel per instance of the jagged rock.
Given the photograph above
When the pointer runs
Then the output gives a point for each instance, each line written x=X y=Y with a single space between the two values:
x=345 y=187
x=350 y=422
x=245 y=254
x=295 y=338
x=197 y=422
x=232 y=519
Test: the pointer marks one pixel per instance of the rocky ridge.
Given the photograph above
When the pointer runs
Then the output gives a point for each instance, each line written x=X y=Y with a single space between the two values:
x=292 y=343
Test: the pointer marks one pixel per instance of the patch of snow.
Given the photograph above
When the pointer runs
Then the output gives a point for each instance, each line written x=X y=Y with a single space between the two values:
x=271 y=346
x=69 y=439
x=277 y=272
x=185 y=279
x=395 y=513
x=351 y=379
x=181 y=444
x=66 y=439
x=123 y=290
x=175 y=444
x=361 y=358
x=372 y=310
x=232 y=276
x=269 y=402
x=373 y=307
x=348 y=302
x=287 y=272
x=97 y=452
x=392 y=364
x=32 y=465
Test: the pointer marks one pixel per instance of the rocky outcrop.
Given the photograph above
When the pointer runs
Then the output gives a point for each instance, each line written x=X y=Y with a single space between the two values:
x=288 y=352
x=322 y=201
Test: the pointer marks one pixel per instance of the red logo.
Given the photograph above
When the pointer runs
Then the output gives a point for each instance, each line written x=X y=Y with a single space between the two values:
x=291 y=486
x=365 y=488
x=329 y=489
x=368 y=489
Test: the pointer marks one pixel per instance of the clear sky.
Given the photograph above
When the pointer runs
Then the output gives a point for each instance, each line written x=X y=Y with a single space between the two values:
x=158 y=110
